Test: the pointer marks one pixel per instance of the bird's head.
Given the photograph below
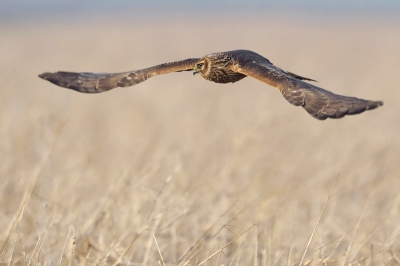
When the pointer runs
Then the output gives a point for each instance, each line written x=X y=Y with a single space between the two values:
x=201 y=66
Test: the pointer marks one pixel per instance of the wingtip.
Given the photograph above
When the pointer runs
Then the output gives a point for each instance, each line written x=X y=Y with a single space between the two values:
x=374 y=104
x=44 y=75
x=377 y=103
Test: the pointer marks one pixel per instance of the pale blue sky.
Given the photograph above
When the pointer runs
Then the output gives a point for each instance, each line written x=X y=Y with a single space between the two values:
x=52 y=9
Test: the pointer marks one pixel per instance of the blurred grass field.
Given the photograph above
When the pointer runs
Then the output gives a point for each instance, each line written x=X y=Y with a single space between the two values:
x=89 y=179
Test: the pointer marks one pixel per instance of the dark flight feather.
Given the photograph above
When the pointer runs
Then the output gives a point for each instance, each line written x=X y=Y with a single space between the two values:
x=319 y=103
x=100 y=82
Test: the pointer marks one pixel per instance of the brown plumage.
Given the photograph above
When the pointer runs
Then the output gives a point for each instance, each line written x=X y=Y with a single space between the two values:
x=227 y=67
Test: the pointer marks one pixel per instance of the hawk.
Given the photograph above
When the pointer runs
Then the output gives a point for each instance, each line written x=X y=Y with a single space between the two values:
x=226 y=67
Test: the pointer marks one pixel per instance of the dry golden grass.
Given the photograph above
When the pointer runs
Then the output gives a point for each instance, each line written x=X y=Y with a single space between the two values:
x=178 y=169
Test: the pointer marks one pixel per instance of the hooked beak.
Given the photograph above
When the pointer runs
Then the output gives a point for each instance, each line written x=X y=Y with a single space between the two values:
x=195 y=70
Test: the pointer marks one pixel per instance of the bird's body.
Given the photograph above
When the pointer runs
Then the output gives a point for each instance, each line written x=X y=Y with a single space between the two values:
x=220 y=67
x=227 y=67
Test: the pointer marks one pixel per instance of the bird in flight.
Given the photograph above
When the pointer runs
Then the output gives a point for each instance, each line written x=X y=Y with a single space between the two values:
x=226 y=67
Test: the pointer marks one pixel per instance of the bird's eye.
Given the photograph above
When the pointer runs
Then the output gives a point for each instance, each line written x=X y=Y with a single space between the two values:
x=200 y=65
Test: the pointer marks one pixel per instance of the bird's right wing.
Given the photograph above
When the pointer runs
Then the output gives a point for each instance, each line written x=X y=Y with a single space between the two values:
x=319 y=103
x=100 y=82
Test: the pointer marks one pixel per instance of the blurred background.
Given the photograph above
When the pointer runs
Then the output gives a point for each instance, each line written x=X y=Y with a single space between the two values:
x=232 y=172
x=118 y=9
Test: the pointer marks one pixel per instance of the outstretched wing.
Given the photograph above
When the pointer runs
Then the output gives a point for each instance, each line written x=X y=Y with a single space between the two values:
x=319 y=103
x=100 y=82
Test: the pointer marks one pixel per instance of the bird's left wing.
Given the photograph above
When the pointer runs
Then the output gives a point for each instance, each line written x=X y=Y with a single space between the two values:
x=100 y=82
x=319 y=103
